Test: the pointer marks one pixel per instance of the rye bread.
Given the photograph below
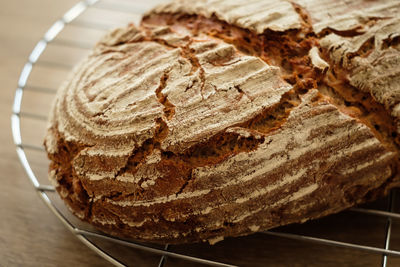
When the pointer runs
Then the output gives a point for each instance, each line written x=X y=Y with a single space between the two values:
x=223 y=118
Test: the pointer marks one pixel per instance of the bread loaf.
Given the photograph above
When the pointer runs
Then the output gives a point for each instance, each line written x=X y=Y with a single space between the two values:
x=224 y=118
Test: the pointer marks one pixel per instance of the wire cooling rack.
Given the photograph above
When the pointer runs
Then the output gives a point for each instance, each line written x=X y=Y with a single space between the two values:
x=363 y=235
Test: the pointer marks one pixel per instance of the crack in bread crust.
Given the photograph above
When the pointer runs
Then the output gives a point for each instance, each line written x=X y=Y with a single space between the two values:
x=301 y=73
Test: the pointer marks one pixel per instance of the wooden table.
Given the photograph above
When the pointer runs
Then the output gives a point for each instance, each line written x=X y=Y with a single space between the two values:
x=30 y=235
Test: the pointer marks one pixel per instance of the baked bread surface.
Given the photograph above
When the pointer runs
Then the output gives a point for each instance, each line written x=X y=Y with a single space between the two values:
x=223 y=118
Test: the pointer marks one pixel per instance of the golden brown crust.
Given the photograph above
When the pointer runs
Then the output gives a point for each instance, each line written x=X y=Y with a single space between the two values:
x=191 y=129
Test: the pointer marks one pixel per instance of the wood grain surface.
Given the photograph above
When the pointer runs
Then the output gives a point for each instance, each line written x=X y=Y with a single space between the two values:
x=30 y=235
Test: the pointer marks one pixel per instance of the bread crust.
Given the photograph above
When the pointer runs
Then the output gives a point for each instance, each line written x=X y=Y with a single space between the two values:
x=203 y=124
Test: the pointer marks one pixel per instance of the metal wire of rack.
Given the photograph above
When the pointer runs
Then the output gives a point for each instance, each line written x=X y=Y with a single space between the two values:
x=44 y=190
